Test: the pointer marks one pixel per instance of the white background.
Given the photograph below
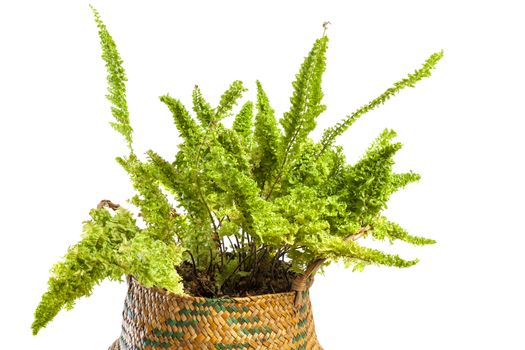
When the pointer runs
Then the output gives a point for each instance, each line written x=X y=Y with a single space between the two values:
x=462 y=131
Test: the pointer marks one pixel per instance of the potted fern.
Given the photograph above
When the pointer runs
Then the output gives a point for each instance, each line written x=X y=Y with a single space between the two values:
x=232 y=231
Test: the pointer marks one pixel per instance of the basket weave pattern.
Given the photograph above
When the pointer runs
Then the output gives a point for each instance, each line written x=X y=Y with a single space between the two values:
x=155 y=319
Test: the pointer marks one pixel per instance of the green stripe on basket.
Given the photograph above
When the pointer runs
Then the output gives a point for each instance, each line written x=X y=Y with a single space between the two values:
x=222 y=346
x=155 y=344
x=302 y=347
x=213 y=301
x=256 y=330
x=299 y=337
x=182 y=323
x=241 y=320
x=194 y=312
x=302 y=309
x=167 y=334
x=208 y=302
x=231 y=308
x=302 y=323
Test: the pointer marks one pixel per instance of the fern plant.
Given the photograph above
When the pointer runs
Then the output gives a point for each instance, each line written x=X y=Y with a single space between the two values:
x=257 y=204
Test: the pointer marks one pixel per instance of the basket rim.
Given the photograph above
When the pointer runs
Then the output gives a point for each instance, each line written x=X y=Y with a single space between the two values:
x=170 y=295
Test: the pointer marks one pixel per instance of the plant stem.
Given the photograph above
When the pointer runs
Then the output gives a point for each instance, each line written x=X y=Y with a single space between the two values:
x=236 y=268
x=317 y=262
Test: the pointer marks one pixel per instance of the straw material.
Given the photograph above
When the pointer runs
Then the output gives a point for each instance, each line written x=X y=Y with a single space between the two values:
x=156 y=319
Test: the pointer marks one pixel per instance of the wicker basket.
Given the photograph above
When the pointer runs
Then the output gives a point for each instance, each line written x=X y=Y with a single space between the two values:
x=156 y=319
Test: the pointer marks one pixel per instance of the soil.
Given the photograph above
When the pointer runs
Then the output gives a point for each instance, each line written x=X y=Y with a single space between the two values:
x=267 y=279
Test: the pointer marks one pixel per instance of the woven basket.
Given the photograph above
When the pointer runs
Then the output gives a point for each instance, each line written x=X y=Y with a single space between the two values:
x=156 y=319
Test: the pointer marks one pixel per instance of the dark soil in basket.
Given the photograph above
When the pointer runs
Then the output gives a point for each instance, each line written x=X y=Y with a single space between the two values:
x=267 y=277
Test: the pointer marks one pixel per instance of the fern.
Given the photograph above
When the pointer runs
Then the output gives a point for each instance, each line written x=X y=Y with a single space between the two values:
x=190 y=131
x=116 y=82
x=201 y=108
x=229 y=100
x=112 y=246
x=385 y=229
x=267 y=137
x=306 y=105
x=243 y=122
x=155 y=208
x=235 y=202
x=330 y=134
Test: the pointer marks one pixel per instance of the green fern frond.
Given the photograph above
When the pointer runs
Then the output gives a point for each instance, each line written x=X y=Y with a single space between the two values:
x=337 y=248
x=259 y=219
x=154 y=206
x=229 y=100
x=176 y=179
x=112 y=246
x=188 y=128
x=232 y=143
x=152 y=261
x=331 y=133
x=116 y=82
x=267 y=139
x=99 y=256
x=306 y=105
x=165 y=172
x=243 y=122
x=201 y=107
x=367 y=182
x=385 y=229
x=398 y=181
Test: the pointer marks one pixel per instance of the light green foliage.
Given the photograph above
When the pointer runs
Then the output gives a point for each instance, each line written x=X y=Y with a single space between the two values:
x=355 y=254
x=201 y=108
x=330 y=134
x=152 y=261
x=243 y=196
x=229 y=100
x=305 y=103
x=231 y=141
x=267 y=138
x=112 y=246
x=155 y=208
x=116 y=81
x=188 y=128
x=243 y=122
x=368 y=184
x=384 y=229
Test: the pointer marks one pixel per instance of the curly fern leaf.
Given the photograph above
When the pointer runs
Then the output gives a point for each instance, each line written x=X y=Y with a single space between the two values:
x=152 y=261
x=348 y=250
x=259 y=217
x=154 y=206
x=331 y=133
x=201 y=108
x=188 y=128
x=165 y=173
x=267 y=139
x=229 y=100
x=111 y=246
x=367 y=182
x=306 y=105
x=116 y=81
x=232 y=143
x=384 y=229
x=243 y=122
